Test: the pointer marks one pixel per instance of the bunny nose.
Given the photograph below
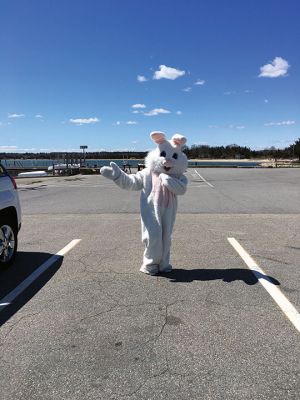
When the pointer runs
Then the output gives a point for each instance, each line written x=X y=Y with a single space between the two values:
x=167 y=163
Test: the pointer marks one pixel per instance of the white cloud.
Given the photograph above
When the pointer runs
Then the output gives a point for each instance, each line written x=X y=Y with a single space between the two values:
x=188 y=89
x=228 y=93
x=16 y=115
x=201 y=143
x=168 y=73
x=39 y=116
x=83 y=121
x=53 y=149
x=141 y=78
x=288 y=122
x=125 y=123
x=138 y=106
x=136 y=112
x=157 y=111
x=277 y=68
x=8 y=148
x=179 y=112
x=266 y=101
x=230 y=126
x=199 y=82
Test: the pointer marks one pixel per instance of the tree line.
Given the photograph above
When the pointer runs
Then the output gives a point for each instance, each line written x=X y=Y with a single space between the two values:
x=236 y=151
x=192 y=152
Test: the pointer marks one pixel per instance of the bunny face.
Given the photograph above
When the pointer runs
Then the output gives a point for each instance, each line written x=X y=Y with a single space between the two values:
x=167 y=158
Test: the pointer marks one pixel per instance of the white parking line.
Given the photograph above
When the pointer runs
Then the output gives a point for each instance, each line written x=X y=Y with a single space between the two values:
x=286 y=306
x=10 y=297
x=203 y=179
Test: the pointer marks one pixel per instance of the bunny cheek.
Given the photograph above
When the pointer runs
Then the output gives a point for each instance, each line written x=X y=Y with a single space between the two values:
x=154 y=162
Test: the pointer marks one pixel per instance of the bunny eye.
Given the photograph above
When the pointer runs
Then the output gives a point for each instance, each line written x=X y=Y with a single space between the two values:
x=163 y=154
x=175 y=155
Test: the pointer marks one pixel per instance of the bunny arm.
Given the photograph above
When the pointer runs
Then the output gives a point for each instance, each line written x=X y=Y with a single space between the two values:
x=130 y=182
x=175 y=185
x=124 y=181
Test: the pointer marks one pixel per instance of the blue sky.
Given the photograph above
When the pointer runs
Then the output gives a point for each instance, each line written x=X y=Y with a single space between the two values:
x=107 y=72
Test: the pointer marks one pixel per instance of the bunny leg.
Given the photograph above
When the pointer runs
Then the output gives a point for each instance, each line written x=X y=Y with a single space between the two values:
x=152 y=239
x=167 y=229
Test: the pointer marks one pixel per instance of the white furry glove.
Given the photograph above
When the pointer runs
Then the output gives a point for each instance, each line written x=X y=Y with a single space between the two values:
x=113 y=172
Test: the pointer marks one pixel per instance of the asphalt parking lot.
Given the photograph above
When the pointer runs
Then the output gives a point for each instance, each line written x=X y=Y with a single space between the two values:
x=89 y=325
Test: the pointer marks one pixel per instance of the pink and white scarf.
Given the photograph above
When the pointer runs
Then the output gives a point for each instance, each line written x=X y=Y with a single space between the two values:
x=160 y=194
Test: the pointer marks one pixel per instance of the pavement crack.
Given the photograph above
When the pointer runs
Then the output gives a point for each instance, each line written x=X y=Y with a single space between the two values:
x=164 y=323
x=15 y=324
x=88 y=269
x=116 y=306
x=98 y=314
x=153 y=376
x=143 y=384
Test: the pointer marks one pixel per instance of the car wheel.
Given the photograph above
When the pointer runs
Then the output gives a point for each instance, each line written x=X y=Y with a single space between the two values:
x=8 y=243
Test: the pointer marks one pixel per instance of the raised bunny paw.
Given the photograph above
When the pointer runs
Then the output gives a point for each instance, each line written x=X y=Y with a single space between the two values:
x=113 y=172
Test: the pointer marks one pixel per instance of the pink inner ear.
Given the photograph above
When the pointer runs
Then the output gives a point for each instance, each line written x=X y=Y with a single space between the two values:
x=178 y=140
x=158 y=137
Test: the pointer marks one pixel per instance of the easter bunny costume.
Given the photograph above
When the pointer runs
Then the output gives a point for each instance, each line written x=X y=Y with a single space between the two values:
x=160 y=182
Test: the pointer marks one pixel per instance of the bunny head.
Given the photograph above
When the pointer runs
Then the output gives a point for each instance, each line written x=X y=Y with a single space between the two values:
x=167 y=157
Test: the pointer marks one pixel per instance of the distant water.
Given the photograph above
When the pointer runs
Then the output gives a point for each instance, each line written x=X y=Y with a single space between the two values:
x=47 y=163
x=99 y=163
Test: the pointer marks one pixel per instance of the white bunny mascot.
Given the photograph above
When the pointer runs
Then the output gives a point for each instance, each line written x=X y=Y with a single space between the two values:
x=161 y=181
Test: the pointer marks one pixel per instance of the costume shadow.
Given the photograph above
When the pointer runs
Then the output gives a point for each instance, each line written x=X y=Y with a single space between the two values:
x=226 y=275
x=11 y=277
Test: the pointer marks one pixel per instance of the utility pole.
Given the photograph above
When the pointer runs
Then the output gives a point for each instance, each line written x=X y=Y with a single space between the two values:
x=83 y=147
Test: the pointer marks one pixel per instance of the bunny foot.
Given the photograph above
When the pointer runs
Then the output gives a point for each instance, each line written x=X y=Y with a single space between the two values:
x=149 y=270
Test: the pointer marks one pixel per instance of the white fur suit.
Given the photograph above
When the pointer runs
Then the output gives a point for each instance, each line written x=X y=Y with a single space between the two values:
x=160 y=182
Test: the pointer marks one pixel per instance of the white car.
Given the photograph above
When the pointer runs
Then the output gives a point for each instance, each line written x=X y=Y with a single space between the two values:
x=10 y=218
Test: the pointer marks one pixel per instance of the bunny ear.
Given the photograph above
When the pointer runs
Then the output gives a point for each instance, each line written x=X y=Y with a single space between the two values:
x=178 y=140
x=158 y=137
